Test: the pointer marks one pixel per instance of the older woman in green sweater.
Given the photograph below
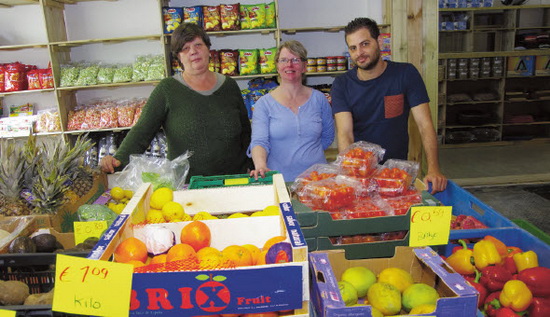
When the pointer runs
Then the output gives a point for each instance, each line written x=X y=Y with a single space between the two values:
x=199 y=110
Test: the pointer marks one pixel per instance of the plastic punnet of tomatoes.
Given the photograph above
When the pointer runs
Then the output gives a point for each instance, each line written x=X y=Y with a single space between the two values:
x=395 y=176
x=370 y=206
x=360 y=159
x=401 y=204
x=330 y=194
x=315 y=173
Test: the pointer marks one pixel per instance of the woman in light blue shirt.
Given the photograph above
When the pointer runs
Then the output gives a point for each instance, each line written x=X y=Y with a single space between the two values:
x=292 y=126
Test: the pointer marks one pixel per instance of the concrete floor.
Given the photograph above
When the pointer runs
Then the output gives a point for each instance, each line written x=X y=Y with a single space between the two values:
x=514 y=180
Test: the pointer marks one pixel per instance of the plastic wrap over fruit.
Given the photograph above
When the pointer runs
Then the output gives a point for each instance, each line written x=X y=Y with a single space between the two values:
x=96 y=212
x=158 y=239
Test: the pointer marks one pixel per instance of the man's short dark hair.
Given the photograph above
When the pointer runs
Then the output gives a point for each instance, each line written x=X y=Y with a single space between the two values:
x=359 y=23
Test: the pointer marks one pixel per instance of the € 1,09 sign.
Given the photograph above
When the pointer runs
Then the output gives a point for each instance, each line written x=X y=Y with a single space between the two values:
x=430 y=225
x=92 y=287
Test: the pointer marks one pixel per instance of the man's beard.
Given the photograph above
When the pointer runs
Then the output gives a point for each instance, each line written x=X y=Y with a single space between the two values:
x=372 y=64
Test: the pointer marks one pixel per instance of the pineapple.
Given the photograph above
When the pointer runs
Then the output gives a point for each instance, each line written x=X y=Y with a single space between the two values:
x=12 y=170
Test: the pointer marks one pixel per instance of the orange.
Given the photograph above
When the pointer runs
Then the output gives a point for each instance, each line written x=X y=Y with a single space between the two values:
x=271 y=241
x=180 y=251
x=254 y=251
x=207 y=250
x=196 y=234
x=136 y=263
x=161 y=258
x=261 y=258
x=131 y=249
x=238 y=254
x=211 y=260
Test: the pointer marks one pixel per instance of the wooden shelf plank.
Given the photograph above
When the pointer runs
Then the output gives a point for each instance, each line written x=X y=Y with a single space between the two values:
x=493 y=54
x=317 y=29
x=11 y=3
x=22 y=46
x=113 y=85
x=499 y=8
x=152 y=37
x=28 y=91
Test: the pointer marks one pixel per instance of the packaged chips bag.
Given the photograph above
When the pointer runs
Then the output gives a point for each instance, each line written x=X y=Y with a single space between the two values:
x=193 y=15
x=211 y=18
x=229 y=62
x=248 y=62
x=256 y=13
x=245 y=19
x=230 y=17
x=214 y=63
x=172 y=17
x=267 y=60
x=270 y=15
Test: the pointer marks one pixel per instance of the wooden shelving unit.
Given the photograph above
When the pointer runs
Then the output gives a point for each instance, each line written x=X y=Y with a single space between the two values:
x=491 y=33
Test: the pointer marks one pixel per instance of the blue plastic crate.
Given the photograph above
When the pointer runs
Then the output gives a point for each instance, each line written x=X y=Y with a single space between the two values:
x=465 y=203
x=515 y=237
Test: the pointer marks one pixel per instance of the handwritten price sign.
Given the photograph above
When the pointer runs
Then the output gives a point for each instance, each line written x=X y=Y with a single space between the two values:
x=84 y=230
x=92 y=287
x=430 y=225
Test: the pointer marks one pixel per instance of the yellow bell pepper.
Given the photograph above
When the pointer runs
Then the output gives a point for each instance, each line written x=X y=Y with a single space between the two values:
x=461 y=260
x=526 y=260
x=485 y=254
x=515 y=295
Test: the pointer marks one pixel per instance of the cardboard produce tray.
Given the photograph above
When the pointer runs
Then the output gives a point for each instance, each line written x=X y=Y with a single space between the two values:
x=253 y=289
x=458 y=298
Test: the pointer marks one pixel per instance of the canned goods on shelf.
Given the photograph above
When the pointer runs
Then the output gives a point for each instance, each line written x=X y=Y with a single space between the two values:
x=321 y=61
x=340 y=67
x=331 y=60
x=331 y=67
x=311 y=61
x=341 y=60
x=321 y=68
x=311 y=69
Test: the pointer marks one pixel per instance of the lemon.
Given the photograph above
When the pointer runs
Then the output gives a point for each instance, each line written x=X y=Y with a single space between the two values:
x=186 y=217
x=172 y=210
x=128 y=193
x=237 y=215
x=360 y=277
x=419 y=294
x=160 y=197
x=119 y=208
x=396 y=277
x=154 y=216
x=117 y=193
x=203 y=215
x=260 y=213
x=423 y=309
x=271 y=210
x=111 y=206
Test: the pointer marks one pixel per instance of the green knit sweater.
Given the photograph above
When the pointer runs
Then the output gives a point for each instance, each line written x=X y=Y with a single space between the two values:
x=215 y=127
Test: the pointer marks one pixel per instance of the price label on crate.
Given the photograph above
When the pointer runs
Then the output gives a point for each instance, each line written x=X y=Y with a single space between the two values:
x=430 y=225
x=86 y=229
x=7 y=313
x=92 y=287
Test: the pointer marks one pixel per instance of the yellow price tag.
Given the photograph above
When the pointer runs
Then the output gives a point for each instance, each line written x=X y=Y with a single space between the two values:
x=7 y=313
x=92 y=287
x=430 y=225
x=85 y=229
x=236 y=181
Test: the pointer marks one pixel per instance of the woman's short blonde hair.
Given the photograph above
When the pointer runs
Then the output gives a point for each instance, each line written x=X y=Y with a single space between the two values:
x=295 y=48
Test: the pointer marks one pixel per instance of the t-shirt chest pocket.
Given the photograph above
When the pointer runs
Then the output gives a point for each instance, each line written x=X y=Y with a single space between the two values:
x=393 y=106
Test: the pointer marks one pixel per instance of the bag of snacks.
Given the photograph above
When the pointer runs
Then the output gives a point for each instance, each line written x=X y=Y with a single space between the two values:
x=48 y=121
x=244 y=17
x=248 y=62
x=125 y=113
x=211 y=18
x=229 y=62
x=138 y=106
x=46 y=78
x=108 y=115
x=395 y=176
x=69 y=75
x=230 y=17
x=360 y=159
x=105 y=74
x=2 y=76
x=172 y=17
x=268 y=64
x=214 y=63
x=156 y=68
x=256 y=13
x=193 y=15
x=88 y=75
x=140 y=68
x=33 y=79
x=75 y=118
x=15 y=77
x=123 y=73
x=270 y=15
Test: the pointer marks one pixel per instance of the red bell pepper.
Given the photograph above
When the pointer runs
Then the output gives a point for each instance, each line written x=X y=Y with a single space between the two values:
x=513 y=250
x=540 y=307
x=506 y=312
x=492 y=304
x=537 y=280
x=510 y=265
x=494 y=277
x=474 y=281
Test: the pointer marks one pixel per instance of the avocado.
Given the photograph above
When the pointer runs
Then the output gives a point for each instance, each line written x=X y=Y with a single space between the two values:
x=90 y=242
x=45 y=242
x=22 y=245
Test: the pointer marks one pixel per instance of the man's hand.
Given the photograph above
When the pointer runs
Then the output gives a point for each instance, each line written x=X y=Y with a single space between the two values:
x=109 y=163
x=438 y=180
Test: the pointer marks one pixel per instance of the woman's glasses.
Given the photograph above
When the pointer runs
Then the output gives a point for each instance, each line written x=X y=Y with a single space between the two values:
x=294 y=60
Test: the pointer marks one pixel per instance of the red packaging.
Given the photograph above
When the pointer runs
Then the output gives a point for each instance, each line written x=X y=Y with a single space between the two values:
x=15 y=77
x=33 y=79
x=230 y=16
x=228 y=62
x=401 y=204
x=315 y=173
x=2 y=70
x=330 y=194
x=125 y=115
x=75 y=119
x=108 y=117
x=211 y=18
x=360 y=159
x=46 y=78
x=395 y=176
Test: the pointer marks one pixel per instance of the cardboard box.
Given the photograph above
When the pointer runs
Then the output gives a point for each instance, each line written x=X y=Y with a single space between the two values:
x=518 y=66
x=542 y=67
x=63 y=220
x=458 y=298
x=272 y=287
